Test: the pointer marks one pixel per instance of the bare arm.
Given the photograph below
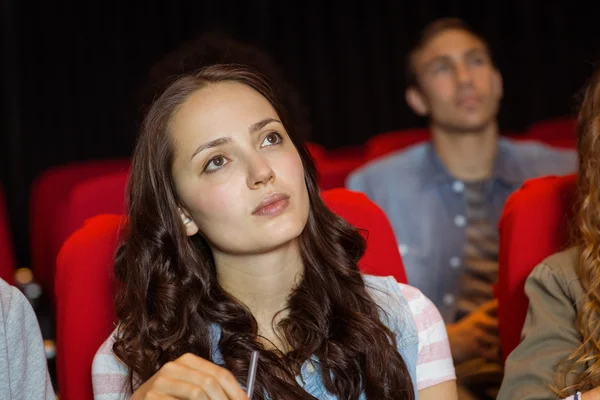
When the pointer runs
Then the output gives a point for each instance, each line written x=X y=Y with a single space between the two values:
x=445 y=390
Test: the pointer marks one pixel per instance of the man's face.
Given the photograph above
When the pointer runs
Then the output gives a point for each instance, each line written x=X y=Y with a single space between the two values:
x=459 y=88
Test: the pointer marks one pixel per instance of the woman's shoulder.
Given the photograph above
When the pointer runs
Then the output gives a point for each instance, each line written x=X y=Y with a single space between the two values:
x=16 y=314
x=8 y=295
x=393 y=296
x=561 y=266
x=386 y=292
x=389 y=288
x=557 y=273
x=109 y=374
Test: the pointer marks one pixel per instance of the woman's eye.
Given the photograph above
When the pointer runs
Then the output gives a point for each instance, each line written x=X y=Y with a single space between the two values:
x=271 y=139
x=215 y=163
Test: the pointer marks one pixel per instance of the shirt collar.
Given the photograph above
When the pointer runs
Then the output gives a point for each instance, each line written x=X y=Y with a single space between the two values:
x=215 y=337
x=506 y=167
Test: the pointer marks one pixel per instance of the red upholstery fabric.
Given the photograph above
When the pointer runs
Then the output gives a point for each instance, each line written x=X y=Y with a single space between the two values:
x=386 y=143
x=533 y=226
x=48 y=210
x=84 y=301
x=88 y=199
x=103 y=194
x=84 y=283
x=316 y=151
x=7 y=256
x=333 y=173
x=336 y=166
x=557 y=132
x=382 y=256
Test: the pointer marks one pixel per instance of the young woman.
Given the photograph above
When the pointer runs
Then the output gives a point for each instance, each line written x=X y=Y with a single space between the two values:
x=559 y=356
x=230 y=249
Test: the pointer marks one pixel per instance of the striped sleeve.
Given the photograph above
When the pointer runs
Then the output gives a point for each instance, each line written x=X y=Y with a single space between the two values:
x=434 y=362
x=109 y=374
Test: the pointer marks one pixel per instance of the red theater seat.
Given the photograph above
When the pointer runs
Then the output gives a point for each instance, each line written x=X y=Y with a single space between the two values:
x=533 y=226
x=104 y=194
x=48 y=210
x=390 y=142
x=557 y=132
x=7 y=256
x=84 y=302
x=381 y=257
x=336 y=166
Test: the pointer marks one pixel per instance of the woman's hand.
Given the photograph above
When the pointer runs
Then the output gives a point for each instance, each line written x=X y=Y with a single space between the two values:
x=190 y=378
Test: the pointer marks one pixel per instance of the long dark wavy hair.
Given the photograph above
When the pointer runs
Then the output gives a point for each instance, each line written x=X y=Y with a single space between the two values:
x=168 y=295
x=581 y=370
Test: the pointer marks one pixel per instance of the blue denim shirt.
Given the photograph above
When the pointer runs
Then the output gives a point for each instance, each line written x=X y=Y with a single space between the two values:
x=427 y=208
x=396 y=315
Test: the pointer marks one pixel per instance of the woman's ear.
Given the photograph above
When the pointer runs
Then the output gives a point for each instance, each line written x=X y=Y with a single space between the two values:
x=188 y=223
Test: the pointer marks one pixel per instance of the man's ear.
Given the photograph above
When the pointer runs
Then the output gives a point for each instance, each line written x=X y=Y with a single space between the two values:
x=416 y=101
x=498 y=84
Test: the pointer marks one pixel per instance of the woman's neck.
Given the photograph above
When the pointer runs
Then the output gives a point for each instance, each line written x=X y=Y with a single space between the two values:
x=263 y=283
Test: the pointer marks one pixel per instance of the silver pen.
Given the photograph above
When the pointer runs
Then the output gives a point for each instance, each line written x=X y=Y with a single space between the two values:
x=252 y=374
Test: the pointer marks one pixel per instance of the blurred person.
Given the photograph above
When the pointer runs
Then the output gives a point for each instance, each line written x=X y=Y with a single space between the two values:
x=444 y=198
x=559 y=355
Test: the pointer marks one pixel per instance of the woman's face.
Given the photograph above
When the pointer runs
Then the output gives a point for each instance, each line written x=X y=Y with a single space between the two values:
x=236 y=171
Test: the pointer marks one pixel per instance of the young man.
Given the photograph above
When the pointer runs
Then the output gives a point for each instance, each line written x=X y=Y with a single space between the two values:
x=444 y=198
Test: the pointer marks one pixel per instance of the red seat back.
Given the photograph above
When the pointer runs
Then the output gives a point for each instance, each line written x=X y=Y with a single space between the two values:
x=382 y=256
x=7 y=256
x=533 y=226
x=557 y=132
x=386 y=143
x=84 y=282
x=336 y=165
x=95 y=196
x=48 y=210
x=84 y=302
x=104 y=194
x=316 y=151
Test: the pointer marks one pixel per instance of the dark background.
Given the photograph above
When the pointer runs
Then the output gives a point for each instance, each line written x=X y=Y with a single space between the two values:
x=69 y=69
